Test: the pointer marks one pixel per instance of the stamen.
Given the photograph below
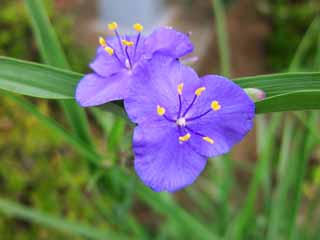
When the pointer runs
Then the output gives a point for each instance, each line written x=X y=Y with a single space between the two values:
x=189 y=107
x=128 y=60
x=102 y=42
x=115 y=54
x=160 y=110
x=205 y=138
x=185 y=137
x=200 y=116
x=127 y=43
x=109 y=50
x=180 y=88
x=199 y=91
x=209 y=140
x=180 y=106
x=215 y=106
x=138 y=27
x=113 y=26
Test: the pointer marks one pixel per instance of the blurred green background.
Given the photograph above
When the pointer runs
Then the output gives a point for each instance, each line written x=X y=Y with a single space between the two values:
x=267 y=188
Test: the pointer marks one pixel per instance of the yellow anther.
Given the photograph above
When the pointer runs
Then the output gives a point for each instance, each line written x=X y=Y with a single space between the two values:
x=109 y=50
x=102 y=42
x=127 y=43
x=209 y=140
x=185 y=137
x=160 y=110
x=215 y=106
x=199 y=91
x=138 y=27
x=180 y=88
x=113 y=26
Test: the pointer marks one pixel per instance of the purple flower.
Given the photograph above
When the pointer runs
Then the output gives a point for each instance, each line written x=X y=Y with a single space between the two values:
x=118 y=57
x=182 y=120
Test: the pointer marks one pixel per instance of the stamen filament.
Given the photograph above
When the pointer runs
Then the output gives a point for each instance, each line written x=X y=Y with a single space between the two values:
x=204 y=137
x=115 y=54
x=139 y=28
x=119 y=41
x=136 y=46
x=194 y=132
x=169 y=119
x=200 y=116
x=190 y=106
x=180 y=106
x=128 y=57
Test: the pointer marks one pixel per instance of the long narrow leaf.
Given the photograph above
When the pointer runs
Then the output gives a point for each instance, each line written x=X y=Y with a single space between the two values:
x=286 y=92
x=51 y=52
x=16 y=210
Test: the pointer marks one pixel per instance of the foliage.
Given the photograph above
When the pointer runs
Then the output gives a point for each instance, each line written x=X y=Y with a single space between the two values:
x=66 y=186
x=289 y=19
x=16 y=37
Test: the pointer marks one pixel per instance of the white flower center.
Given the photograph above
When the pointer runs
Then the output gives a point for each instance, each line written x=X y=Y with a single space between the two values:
x=181 y=122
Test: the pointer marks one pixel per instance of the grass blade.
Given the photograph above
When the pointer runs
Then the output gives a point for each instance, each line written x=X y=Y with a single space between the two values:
x=281 y=89
x=241 y=223
x=51 y=52
x=222 y=35
x=16 y=210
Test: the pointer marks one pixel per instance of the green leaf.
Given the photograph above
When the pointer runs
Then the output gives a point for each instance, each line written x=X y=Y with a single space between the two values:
x=285 y=92
x=37 y=80
x=52 y=53
x=222 y=36
x=49 y=46
x=19 y=211
x=276 y=84
x=293 y=101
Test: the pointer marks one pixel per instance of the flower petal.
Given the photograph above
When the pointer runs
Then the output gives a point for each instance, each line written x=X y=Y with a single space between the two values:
x=155 y=83
x=169 y=42
x=227 y=126
x=161 y=161
x=104 y=64
x=94 y=90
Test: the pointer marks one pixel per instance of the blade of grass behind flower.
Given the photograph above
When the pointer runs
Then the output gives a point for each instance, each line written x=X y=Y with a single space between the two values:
x=308 y=145
x=278 y=222
x=222 y=35
x=223 y=180
x=51 y=52
x=304 y=45
x=279 y=199
x=55 y=128
x=239 y=226
x=18 y=211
